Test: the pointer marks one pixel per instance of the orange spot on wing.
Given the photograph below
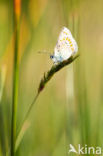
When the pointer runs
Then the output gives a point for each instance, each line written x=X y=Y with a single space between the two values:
x=72 y=49
x=65 y=33
x=68 y=39
x=70 y=42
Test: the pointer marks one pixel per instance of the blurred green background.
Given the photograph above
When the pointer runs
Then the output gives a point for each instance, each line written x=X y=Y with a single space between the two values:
x=69 y=110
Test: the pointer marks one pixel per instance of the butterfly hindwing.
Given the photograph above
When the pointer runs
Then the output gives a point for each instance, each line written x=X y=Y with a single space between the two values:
x=66 y=45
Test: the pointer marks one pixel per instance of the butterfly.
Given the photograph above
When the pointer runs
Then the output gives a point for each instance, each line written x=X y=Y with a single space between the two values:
x=66 y=46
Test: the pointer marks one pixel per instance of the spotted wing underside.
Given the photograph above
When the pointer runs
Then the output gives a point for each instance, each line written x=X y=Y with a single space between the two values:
x=66 y=45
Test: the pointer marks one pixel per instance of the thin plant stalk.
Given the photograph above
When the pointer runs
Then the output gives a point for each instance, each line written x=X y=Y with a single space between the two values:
x=27 y=113
x=16 y=13
x=47 y=76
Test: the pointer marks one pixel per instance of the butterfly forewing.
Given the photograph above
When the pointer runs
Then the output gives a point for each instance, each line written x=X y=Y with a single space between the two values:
x=66 y=45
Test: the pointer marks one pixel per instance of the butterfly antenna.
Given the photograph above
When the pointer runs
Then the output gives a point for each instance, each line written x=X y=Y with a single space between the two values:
x=44 y=52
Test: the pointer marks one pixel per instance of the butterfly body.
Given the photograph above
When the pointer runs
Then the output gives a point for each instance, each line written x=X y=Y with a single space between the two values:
x=66 y=46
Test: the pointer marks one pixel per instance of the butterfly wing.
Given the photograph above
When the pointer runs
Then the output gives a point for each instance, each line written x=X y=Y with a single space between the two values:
x=66 y=45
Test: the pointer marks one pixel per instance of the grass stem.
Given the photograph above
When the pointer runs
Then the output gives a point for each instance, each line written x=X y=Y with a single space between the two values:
x=47 y=76
x=16 y=13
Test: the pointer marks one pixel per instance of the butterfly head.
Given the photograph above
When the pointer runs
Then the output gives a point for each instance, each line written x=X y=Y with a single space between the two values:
x=56 y=59
x=53 y=58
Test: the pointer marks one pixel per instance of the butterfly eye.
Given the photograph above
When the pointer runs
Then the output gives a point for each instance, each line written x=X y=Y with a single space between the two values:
x=51 y=56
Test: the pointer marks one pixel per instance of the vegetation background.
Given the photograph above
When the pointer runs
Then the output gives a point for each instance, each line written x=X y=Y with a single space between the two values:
x=69 y=110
